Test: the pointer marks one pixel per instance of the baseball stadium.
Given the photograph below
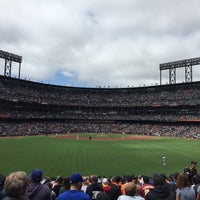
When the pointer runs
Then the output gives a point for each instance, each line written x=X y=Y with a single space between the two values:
x=104 y=131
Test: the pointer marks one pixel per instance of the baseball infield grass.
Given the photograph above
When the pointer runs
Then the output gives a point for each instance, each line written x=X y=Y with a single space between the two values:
x=58 y=156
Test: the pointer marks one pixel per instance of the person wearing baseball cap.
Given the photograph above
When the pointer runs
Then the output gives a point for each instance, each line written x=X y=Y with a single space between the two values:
x=75 y=192
x=36 y=190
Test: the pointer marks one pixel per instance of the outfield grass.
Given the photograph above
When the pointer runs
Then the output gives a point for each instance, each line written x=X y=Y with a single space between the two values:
x=56 y=156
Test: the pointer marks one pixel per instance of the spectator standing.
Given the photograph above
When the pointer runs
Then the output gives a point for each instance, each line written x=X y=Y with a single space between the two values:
x=36 y=190
x=16 y=186
x=184 y=189
x=2 y=190
x=75 y=192
x=191 y=171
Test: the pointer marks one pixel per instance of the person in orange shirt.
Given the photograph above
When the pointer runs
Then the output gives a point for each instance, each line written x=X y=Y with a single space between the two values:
x=128 y=180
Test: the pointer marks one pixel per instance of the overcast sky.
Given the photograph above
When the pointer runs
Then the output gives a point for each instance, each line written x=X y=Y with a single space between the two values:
x=100 y=42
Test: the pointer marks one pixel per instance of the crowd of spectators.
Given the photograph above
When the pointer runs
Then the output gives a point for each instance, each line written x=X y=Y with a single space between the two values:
x=50 y=127
x=184 y=185
x=19 y=90
x=41 y=108
x=100 y=114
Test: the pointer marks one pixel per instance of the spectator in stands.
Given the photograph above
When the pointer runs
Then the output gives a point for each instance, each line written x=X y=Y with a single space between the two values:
x=197 y=186
x=128 y=179
x=36 y=190
x=184 y=189
x=85 y=184
x=173 y=181
x=65 y=185
x=94 y=187
x=57 y=185
x=191 y=171
x=106 y=185
x=130 y=192
x=2 y=190
x=160 y=191
x=53 y=194
x=101 y=195
x=115 y=188
x=146 y=187
x=75 y=192
x=16 y=186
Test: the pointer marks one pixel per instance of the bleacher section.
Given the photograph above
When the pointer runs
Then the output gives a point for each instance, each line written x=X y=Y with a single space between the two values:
x=34 y=108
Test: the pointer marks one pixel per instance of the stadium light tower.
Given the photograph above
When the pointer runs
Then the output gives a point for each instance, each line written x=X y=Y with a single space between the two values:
x=9 y=58
x=171 y=66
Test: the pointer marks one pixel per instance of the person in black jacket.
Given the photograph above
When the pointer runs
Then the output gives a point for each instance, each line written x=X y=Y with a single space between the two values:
x=161 y=190
x=93 y=188
x=115 y=188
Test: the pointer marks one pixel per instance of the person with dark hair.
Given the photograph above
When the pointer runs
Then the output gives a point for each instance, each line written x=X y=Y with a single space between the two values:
x=65 y=185
x=2 y=190
x=102 y=196
x=115 y=188
x=146 y=187
x=53 y=194
x=57 y=185
x=36 y=190
x=16 y=186
x=161 y=191
x=184 y=189
x=94 y=187
x=191 y=171
x=74 y=192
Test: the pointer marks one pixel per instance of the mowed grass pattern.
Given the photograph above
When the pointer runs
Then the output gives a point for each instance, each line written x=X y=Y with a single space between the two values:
x=56 y=156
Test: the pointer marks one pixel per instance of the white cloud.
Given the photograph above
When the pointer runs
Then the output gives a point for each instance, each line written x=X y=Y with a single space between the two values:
x=115 y=42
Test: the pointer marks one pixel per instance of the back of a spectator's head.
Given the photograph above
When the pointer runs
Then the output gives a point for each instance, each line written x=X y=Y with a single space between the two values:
x=164 y=176
x=117 y=179
x=197 y=179
x=59 y=179
x=94 y=179
x=130 y=189
x=129 y=178
x=102 y=196
x=146 y=179
x=158 y=181
x=36 y=175
x=175 y=176
x=16 y=184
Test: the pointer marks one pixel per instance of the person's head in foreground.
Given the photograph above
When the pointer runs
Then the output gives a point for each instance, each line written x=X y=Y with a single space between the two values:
x=16 y=184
